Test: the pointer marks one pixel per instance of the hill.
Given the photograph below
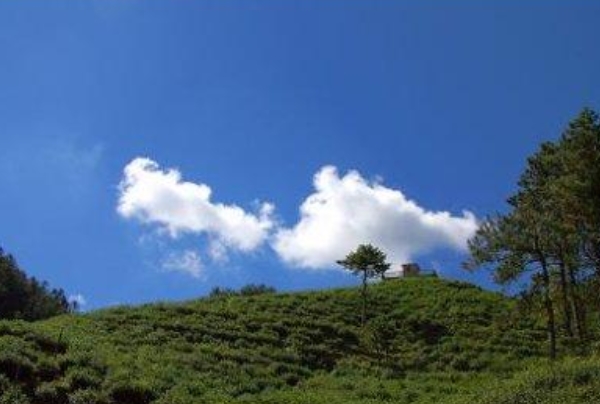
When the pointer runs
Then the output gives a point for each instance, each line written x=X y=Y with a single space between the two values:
x=427 y=341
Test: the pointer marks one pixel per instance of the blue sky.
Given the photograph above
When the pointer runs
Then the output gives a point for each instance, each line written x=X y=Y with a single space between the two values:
x=435 y=107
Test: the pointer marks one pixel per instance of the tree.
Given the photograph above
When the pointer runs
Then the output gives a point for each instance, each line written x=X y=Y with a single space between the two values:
x=516 y=246
x=369 y=262
x=552 y=229
x=250 y=289
x=579 y=186
x=23 y=297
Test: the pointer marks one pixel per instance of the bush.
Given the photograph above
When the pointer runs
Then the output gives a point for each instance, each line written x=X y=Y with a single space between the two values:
x=13 y=395
x=247 y=290
x=131 y=393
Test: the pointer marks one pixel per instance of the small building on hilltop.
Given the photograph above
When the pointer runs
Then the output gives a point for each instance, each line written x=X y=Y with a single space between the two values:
x=408 y=270
x=411 y=269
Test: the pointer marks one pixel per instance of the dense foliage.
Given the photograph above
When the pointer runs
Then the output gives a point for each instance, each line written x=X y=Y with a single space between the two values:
x=551 y=232
x=23 y=297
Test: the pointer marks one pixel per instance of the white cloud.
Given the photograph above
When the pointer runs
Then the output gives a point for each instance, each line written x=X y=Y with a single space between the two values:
x=346 y=211
x=187 y=262
x=155 y=196
x=342 y=212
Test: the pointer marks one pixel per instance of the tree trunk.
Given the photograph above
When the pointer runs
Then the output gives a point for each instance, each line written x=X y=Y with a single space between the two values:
x=597 y=258
x=578 y=309
x=551 y=322
x=565 y=297
x=364 y=299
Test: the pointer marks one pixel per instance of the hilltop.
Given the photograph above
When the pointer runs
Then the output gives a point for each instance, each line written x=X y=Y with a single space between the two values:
x=427 y=341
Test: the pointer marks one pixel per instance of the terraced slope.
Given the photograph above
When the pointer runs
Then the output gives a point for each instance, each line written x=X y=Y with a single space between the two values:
x=427 y=340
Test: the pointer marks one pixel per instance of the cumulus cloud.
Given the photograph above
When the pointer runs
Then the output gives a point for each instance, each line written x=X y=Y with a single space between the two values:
x=342 y=212
x=348 y=210
x=187 y=262
x=152 y=195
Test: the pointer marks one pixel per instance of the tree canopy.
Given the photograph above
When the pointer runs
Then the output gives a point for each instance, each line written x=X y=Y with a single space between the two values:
x=369 y=262
x=551 y=231
x=24 y=297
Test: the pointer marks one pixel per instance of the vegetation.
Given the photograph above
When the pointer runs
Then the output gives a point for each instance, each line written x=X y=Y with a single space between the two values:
x=427 y=340
x=551 y=233
x=23 y=297
x=369 y=262
x=247 y=290
x=297 y=347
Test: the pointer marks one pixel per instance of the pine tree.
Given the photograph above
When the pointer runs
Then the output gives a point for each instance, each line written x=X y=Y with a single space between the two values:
x=22 y=297
x=369 y=262
x=552 y=229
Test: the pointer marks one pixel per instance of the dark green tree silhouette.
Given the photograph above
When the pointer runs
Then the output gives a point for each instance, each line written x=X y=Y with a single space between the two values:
x=551 y=232
x=23 y=297
x=369 y=262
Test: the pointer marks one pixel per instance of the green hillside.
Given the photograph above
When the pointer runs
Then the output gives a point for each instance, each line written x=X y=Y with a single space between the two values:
x=427 y=341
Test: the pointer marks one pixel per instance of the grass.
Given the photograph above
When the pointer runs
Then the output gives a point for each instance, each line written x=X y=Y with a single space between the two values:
x=427 y=341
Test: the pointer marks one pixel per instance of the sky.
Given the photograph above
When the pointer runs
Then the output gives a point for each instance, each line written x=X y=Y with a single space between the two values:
x=152 y=150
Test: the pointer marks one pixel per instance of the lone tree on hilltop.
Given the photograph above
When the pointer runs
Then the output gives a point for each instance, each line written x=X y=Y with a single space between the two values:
x=367 y=261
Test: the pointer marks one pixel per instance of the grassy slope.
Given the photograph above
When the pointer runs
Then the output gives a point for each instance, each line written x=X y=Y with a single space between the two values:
x=428 y=341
